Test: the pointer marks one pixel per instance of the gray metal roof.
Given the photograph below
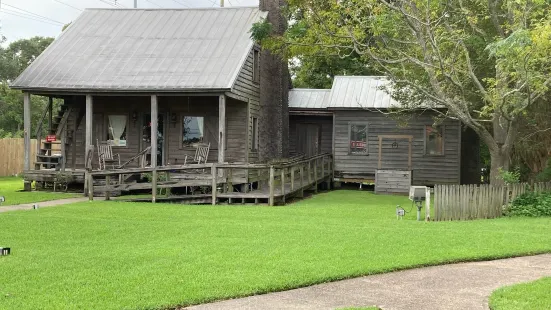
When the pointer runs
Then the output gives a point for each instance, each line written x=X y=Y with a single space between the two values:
x=362 y=92
x=302 y=98
x=146 y=50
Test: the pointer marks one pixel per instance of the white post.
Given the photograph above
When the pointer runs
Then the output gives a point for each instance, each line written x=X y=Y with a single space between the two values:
x=427 y=204
x=222 y=129
x=154 y=126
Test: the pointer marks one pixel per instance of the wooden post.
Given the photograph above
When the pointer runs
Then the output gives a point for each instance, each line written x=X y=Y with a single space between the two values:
x=89 y=126
x=154 y=186
x=427 y=205
x=221 y=128
x=309 y=172
x=90 y=181
x=50 y=114
x=316 y=161
x=271 y=185
x=107 y=184
x=283 y=184
x=380 y=164
x=154 y=130
x=409 y=154
x=301 y=192
x=214 y=175
x=27 y=136
x=63 y=148
x=74 y=143
x=292 y=179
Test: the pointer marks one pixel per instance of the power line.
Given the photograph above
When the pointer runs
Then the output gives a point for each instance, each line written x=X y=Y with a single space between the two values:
x=31 y=13
x=27 y=17
x=153 y=3
x=115 y=4
x=74 y=7
x=185 y=5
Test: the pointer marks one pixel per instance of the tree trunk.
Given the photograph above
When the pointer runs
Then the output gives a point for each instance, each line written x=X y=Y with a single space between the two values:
x=500 y=159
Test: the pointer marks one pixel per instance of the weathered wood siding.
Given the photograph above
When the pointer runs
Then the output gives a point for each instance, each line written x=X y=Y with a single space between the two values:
x=172 y=108
x=248 y=91
x=427 y=169
x=392 y=181
x=325 y=124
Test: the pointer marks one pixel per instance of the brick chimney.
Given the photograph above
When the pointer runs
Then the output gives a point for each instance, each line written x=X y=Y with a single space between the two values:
x=274 y=91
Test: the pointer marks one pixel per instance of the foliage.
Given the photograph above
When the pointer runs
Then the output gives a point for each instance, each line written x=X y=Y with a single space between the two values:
x=527 y=296
x=510 y=177
x=545 y=175
x=18 y=55
x=486 y=62
x=12 y=189
x=143 y=256
x=161 y=177
x=531 y=204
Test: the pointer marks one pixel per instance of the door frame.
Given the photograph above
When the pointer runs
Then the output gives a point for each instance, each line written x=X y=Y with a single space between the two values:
x=396 y=137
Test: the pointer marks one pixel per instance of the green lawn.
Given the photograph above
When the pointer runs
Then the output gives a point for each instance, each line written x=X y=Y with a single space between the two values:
x=11 y=188
x=527 y=296
x=115 y=255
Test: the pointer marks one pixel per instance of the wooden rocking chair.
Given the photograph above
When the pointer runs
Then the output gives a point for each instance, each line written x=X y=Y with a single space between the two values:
x=106 y=156
x=201 y=154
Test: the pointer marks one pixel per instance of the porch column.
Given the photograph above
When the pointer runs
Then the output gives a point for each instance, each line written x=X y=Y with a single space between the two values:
x=154 y=125
x=89 y=126
x=27 y=136
x=222 y=128
x=50 y=114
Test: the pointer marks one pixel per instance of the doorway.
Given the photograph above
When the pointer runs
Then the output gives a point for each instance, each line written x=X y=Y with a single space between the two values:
x=146 y=136
x=308 y=139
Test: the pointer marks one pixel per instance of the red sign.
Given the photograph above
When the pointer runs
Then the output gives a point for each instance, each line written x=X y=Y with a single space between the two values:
x=50 y=138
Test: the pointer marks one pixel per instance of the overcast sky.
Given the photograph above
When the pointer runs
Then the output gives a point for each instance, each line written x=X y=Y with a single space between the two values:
x=27 y=18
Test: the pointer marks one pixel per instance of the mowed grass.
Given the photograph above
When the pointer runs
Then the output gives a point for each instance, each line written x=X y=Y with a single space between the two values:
x=527 y=296
x=12 y=189
x=117 y=255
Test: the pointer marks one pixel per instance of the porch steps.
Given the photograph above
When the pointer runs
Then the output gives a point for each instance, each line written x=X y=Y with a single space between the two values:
x=46 y=159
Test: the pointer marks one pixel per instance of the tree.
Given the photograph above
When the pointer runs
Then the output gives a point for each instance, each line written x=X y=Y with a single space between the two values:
x=19 y=54
x=14 y=59
x=485 y=62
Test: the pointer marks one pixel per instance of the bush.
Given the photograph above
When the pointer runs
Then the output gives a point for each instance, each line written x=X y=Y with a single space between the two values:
x=530 y=204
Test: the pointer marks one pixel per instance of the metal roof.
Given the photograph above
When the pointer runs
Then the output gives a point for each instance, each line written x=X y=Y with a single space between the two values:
x=302 y=98
x=362 y=92
x=146 y=50
x=348 y=92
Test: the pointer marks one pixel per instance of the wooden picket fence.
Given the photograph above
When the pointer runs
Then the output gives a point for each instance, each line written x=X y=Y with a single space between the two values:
x=12 y=155
x=470 y=202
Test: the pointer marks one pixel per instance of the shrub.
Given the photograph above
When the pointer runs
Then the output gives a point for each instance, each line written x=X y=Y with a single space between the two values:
x=545 y=175
x=530 y=204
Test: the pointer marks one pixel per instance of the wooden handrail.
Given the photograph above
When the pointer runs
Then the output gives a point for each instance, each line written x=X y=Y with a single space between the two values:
x=42 y=119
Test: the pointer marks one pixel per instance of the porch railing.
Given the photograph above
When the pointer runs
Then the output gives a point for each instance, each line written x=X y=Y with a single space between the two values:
x=228 y=182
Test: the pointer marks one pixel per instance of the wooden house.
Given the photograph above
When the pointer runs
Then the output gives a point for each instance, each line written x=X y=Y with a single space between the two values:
x=168 y=79
x=351 y=122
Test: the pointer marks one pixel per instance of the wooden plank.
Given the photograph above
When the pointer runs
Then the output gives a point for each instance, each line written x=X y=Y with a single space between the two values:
x=154 y=186
x=89 y=144
x=271 y=185
x=427 y=204
x=154 y=130
x=221 y=129
x=283 y=184
x=380 y=164
x=107 y=184
x=292 y=179
x=27 y=130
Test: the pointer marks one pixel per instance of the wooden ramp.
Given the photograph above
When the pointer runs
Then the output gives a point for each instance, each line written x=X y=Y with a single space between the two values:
x=222 y=183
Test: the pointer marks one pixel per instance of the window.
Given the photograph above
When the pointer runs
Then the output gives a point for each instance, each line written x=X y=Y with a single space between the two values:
x=116 y=131
x=254 y=146
x=358 y=139
x=256 y=66
x=434 y=140
x=193 y=130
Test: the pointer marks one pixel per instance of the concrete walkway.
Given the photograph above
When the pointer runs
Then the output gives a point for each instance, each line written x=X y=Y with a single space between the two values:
x=458 y=286
x=44 y=204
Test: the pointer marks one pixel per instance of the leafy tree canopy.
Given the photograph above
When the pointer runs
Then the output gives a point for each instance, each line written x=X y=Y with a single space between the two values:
x=486 y=62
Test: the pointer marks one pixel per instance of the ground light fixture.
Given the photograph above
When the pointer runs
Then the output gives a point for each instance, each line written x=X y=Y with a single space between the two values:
x=2 y=200
x=5 y=251
x=417 y=195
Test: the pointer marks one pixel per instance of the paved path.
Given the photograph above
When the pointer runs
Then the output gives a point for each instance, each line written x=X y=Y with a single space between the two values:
x=44 y=204
x=458 y=286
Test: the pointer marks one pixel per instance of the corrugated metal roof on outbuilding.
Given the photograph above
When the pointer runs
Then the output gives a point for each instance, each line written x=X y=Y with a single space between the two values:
x=362 y=92
x=302 y=98
x=146 y=49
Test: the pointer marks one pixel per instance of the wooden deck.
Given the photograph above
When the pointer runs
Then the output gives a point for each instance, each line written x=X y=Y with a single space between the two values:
x=222 y=183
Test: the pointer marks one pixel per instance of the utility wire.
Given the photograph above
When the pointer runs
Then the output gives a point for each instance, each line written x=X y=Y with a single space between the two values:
x=74 y=7
x=185 y=5
x=31 y=13
x=27 y=17
x=153 y=3
x=115 y=4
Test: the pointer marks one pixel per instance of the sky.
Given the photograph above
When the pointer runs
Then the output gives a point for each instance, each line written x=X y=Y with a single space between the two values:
x=20 y=19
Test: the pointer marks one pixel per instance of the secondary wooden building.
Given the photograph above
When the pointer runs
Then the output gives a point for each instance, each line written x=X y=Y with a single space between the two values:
x=351 y=121
x=168 y=79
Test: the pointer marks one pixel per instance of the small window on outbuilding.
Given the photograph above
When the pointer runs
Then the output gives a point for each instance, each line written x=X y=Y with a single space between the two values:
x=116 y=130
x=358 y=138
x=434 y=140
x=193 y=130
x=256 y=66
x=254 y=145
